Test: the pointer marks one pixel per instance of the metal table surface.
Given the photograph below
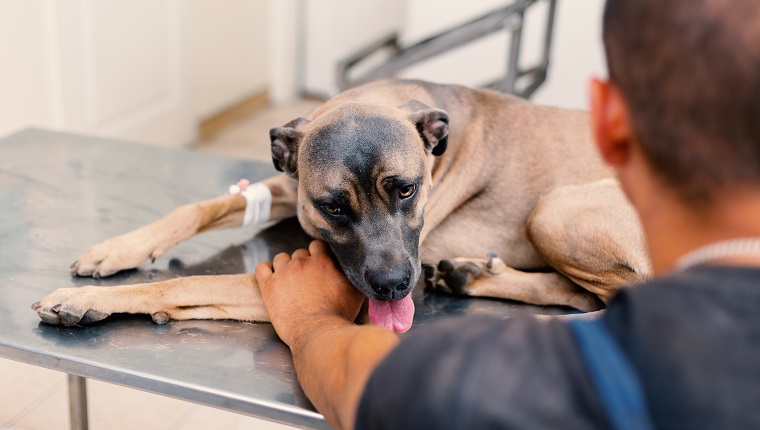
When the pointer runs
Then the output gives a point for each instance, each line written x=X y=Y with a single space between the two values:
x=61 y=193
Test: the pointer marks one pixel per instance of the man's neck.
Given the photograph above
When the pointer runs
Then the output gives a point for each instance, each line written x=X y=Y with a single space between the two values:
x=674 y=229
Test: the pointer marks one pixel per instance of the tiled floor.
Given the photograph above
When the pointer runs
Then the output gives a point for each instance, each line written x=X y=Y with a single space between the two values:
x=249 y=138
x=34 y=398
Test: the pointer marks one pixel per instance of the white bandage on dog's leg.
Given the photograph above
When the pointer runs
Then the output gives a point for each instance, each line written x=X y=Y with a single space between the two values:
x=258 y=201
x=258 y=205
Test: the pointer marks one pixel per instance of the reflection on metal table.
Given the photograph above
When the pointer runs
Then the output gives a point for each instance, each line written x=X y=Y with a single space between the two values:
x=61 y=193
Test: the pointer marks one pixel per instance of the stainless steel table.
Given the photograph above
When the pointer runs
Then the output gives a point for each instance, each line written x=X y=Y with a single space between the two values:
x=60 y=193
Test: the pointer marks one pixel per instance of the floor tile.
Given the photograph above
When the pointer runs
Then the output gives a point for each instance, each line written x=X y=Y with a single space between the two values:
x=209 y=418
x=249 y=138
x=50 y=414
x=22 y=385
x=113 y=407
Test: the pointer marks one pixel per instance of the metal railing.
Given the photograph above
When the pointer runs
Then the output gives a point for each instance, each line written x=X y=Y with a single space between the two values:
x=508 y=18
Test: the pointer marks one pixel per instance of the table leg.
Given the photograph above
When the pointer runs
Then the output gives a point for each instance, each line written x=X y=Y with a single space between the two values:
x=78 y=402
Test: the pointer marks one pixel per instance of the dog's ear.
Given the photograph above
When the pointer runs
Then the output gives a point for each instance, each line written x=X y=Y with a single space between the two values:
x=285 y=141
x=432 y=124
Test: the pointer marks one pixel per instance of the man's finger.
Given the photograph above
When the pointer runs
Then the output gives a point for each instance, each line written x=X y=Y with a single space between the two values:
x=264 y=271
x=300 y=253
x=280 y=260
x=318 y=247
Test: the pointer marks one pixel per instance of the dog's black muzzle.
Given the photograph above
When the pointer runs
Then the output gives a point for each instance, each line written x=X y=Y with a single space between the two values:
x=391 y=283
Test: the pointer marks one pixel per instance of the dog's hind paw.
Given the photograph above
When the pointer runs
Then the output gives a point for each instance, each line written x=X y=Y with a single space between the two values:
x=458 y=274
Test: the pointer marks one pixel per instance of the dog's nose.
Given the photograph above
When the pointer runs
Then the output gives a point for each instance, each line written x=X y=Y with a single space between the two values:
x=389 y=283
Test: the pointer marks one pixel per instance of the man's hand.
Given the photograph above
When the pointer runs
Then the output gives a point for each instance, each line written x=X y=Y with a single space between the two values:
x=305 y=290
x=313 y=307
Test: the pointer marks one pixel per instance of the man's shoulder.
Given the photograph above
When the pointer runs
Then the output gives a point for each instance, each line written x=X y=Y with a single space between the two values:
x=686 y=302
x=476 y=370
x=699 y=289
x=687 y=335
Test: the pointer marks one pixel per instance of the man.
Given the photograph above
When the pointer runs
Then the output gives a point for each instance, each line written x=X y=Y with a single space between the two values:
x=679 y=120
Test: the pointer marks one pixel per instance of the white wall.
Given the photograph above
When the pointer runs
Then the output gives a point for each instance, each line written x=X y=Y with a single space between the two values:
x=338 y=28
x=112 y=68
x=87 y=66
x=475 y=64
x=577 y=55
x=285 y=51
x=230 y=52
x=26 y=95
x=335 y=28
x=146 y=70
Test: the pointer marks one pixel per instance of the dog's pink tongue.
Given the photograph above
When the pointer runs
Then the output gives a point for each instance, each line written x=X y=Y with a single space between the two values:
x=395 y=315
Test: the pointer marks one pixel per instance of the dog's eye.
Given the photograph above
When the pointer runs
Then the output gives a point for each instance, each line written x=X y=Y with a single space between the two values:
x=333 y=210
x=407 y=191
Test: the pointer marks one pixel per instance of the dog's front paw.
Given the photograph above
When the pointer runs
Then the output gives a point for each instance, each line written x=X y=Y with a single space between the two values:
x=69 y=307
x=457 y=275
x=114 y=255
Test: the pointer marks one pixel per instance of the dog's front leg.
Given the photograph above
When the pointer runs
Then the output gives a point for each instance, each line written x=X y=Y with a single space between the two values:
x=235 y=297
x=128 y=250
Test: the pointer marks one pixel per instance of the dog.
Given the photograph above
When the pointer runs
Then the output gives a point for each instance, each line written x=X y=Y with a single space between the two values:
x=492 y=195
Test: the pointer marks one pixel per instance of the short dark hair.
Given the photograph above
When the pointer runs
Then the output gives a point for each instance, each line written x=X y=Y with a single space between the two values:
x=689 y=71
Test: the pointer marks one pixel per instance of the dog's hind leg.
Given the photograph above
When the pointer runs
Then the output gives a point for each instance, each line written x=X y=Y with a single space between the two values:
x=589 y=234
x=234 y=297
x=128 y=250
x=491 y=277
x=592 y=235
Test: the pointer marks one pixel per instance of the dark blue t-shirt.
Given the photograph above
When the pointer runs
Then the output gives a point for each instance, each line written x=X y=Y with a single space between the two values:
x=693 y=338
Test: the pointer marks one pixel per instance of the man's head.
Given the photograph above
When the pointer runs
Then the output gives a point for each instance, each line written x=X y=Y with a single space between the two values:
x=364 y=172
x=685 y=87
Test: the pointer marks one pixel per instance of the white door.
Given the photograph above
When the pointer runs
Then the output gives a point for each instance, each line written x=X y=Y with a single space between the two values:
x=121 y=68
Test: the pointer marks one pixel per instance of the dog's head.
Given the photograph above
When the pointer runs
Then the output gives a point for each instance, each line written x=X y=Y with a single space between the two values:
x=364 y=173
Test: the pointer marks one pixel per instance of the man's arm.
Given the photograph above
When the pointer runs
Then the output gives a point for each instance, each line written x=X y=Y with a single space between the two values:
x=312 y=307
x=334 y=364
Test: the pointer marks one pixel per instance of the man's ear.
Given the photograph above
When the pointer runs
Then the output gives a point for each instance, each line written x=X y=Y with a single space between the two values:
x=285 y=141
x=432 y=124
x=610 y=123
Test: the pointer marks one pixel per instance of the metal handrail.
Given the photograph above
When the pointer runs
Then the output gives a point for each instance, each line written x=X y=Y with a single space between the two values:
x=508 y=18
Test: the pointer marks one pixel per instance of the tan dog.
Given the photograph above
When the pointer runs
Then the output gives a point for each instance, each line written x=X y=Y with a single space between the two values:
x=492 y=174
